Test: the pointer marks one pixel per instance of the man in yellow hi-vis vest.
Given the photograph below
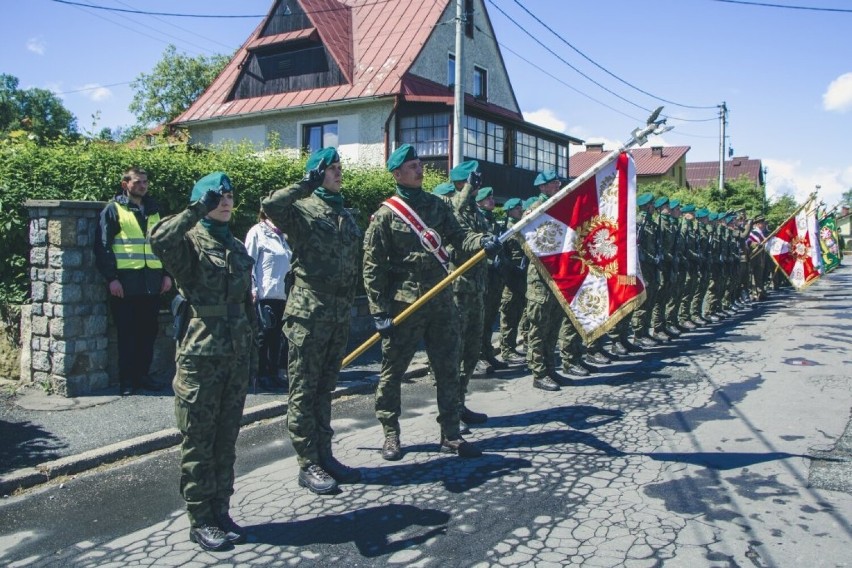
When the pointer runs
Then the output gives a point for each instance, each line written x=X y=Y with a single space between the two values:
x=134 y=275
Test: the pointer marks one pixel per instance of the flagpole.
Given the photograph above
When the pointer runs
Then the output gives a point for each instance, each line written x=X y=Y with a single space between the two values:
x=638 y=137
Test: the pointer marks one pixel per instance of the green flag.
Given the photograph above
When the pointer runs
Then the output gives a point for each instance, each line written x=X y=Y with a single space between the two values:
x=828 y=243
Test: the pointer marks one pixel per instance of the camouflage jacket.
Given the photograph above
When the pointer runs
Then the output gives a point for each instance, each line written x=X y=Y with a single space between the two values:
x=689 y=238
x=215 y=278
x=516 y=261
x=647 y=239
x=326 y=251
x=471 y=219
x=537 y=289
x=396 y=266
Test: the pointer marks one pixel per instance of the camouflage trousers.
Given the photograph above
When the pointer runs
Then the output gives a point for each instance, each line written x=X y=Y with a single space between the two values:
x=209 y=396
x=664 y=292
x=470 y=308
x=690 y=285
x=511 y=309
x=676 y=290
x=640 y=321
x=571 y=347
x=544 y=320
x=436 y=325
x=316 y=349
x=491 y=311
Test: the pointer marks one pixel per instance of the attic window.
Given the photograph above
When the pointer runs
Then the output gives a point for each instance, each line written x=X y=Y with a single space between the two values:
x=468 y=18
x=480 y=83
x=292 y=61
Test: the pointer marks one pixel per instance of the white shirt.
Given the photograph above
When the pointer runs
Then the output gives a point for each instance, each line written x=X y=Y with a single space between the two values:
x=272 y=257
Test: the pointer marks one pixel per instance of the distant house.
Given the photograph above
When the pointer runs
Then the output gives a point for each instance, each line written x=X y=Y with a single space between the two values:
x=653 y=164
x=703 y=174
x=367 y=76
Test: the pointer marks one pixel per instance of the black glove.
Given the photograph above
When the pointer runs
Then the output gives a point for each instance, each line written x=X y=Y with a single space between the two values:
x=475 y=180
x=383 y=323
x=492 y=246
x=212 y=198
x=315 y=177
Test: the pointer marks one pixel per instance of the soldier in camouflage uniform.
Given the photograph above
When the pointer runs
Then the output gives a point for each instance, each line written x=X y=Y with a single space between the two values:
x=667 y=273
x=649 y=263
x=326 y=245
x=468 y=289
x=512 y=302
x=398 y=269
x=673 y=241
x=215 y=354
x=702 y=243
x=493 y=284
x=543 y=309
x=689 y=267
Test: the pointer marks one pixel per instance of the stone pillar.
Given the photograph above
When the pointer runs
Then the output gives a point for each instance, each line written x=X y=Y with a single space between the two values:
x=66 y=324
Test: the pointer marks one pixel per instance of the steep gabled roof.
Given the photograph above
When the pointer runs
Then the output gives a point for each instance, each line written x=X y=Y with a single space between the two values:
x=373 y=42
x=702 y=174
x=649 y=161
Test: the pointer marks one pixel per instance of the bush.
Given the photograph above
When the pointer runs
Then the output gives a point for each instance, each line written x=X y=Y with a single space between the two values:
x=91 y=170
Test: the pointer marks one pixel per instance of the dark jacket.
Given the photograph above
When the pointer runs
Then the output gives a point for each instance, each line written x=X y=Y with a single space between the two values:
x=144 y=281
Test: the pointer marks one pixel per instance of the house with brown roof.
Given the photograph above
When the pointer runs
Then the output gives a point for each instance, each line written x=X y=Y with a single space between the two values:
x=367 y=76
x=653 y=164
x=703 y=174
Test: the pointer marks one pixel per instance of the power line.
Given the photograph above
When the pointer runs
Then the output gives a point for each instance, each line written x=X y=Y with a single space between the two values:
x=143 y=12
x=602 y=68
x=84 y=89
x=769 y=5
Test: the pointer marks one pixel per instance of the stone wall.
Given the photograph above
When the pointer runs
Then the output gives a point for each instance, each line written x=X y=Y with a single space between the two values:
x=65 y=330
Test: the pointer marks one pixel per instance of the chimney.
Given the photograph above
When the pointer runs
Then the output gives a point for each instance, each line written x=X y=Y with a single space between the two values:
x=596 y=147
x=657 y=151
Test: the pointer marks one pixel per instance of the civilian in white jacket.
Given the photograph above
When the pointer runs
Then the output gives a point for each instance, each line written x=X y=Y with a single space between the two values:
x=268 y=246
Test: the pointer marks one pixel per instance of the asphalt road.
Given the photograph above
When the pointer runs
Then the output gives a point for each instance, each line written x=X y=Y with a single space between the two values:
x=730 y=446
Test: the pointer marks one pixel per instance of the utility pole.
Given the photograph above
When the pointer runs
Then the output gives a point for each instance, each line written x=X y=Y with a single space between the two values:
x=723 y=120
x=458 y=102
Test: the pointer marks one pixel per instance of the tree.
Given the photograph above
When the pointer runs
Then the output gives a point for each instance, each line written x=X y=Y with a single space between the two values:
x=174 y=83
x=780 y=210
x=36 y=111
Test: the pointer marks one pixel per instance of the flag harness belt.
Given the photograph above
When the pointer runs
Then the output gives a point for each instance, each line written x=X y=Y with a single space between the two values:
x=429 y=238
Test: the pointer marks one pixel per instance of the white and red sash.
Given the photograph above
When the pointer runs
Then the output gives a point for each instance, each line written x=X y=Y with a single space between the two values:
x=429 y=238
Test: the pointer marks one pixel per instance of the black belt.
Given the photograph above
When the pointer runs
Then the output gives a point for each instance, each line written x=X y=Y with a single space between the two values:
x=324 y=288
x=217 y=310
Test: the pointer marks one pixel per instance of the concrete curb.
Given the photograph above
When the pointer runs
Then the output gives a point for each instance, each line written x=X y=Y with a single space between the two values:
x=29 y=477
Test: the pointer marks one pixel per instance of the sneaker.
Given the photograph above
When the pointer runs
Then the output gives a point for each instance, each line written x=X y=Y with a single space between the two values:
x=341 y=473
x=234 y=533
x=317 y=480
x=460 y=447
x=209 y=537
x=391 y=449
x=545 y=383
x=471 y=417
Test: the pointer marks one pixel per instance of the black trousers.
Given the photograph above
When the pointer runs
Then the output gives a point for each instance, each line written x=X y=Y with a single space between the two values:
x=136 y=324
x=270 y=351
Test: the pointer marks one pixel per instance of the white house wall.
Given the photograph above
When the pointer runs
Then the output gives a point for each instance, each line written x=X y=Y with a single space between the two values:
x=481 y=51
x=360 y=128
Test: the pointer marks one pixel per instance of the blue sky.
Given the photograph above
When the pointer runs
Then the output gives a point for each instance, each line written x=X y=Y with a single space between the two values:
x=784 y=74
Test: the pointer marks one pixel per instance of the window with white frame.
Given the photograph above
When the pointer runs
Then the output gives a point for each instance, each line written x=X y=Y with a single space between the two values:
x=483 y=140
x=538 y=154
x=428 y=133
x=319 y=135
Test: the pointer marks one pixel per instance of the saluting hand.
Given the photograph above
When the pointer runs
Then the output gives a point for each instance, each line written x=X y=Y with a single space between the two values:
x=315 y=177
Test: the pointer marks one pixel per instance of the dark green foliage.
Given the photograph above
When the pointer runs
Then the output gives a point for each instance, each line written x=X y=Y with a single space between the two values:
x=36 y=114
x=740 y=193
x=92 y=171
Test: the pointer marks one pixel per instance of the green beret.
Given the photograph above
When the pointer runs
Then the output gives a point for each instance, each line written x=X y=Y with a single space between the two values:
x=401 y=155
x=712 y=216
x=215 y=181
x=644 y=199
x=512 y=203
x=484 y=192
x=445 y=188
x=701 y=213
x=324 y=158
x=760 y=219
x=661 y=201
x=674 y=203
x=463 y=170
x=530 y=201
x=547 y=176
x=688 y=208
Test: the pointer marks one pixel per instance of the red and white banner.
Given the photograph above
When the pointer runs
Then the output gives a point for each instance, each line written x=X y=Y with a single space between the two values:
x=586 y=246
x=795 y=248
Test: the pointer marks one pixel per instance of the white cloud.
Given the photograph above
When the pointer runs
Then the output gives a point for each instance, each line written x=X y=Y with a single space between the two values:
x=36 y=45
x=838 y=96
x=791 y=178
x=546 y=118
x=94 y=92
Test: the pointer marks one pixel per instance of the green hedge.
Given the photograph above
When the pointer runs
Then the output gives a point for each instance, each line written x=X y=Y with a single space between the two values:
x=92 y=171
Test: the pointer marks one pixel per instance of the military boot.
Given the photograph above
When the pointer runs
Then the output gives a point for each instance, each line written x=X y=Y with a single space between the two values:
x=317 y=480
x=233 y=532
x=391 y=449
x=209 y=537
x=545 y=383
x=575 y=370
x=460 y=447
x=341 y=473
